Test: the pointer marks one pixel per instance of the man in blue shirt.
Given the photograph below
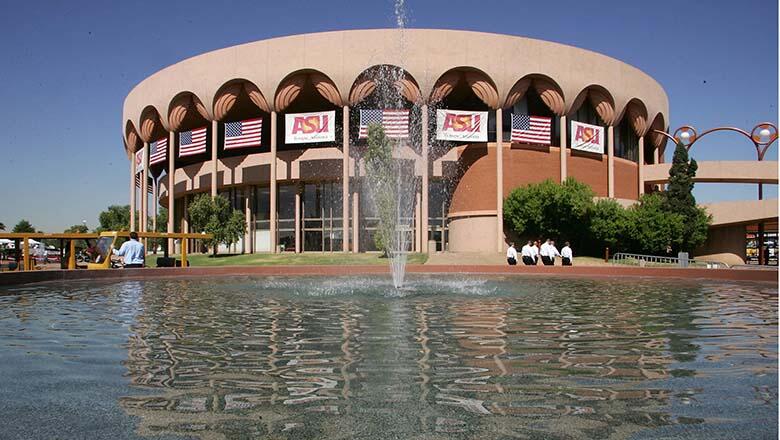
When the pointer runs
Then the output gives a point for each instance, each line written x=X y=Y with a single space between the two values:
x=133 y=251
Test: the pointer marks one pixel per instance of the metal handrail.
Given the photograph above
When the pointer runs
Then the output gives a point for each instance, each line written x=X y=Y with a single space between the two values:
x=663 y=261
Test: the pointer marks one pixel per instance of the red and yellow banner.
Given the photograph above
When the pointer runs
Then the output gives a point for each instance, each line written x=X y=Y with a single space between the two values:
x=301 y=128
x=460 y=125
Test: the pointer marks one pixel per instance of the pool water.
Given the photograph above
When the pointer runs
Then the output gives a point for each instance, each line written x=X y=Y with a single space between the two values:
x=341 y=358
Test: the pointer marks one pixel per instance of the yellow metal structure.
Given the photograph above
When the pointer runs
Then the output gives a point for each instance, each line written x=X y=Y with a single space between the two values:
x=105 y=263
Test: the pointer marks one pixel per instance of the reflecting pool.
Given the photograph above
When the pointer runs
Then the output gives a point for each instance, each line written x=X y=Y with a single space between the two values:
x=341 y=358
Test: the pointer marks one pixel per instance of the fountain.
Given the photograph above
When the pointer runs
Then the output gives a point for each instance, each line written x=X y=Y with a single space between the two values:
x=392 y=184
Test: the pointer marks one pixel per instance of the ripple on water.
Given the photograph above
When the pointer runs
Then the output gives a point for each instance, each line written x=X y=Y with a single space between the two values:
x=446 y=357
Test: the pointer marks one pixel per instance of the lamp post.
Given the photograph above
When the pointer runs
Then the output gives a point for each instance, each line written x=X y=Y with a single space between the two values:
x=763 y=135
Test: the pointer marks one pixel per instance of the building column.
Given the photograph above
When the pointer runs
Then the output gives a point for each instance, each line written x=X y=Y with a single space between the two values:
x=499 y=181
x=214 y=136
x=272 y=185
x=345 y=181
x=611 y=161
x=655 y=156
x=145 y=191
x=298 y=220
x=355 y=221
x=425 y=181
x=185 y=220
x=562 y=143
x=132 y=191
x=248 y=242
x=171 y=172
x=417 y=222
x=155 y=196
x=641 y=165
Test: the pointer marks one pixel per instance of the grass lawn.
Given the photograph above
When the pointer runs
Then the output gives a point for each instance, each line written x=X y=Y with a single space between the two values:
x=292 y=259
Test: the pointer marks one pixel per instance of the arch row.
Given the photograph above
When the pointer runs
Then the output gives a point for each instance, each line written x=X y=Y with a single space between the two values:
x=187 y=106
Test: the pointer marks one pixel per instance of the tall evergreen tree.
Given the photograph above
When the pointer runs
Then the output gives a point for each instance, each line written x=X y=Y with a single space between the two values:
x=679 y=200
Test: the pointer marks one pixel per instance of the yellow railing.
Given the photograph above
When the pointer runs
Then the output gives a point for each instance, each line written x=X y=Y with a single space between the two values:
x=24 y=238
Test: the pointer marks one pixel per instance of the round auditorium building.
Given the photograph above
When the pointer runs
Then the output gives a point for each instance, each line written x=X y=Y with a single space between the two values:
x=278 y=127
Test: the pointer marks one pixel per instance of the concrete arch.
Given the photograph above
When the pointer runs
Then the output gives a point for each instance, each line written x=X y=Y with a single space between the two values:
x=229 y=92
x=290 y=87
x=601 y=100
x=366 y=83
x=132 y=139
x=185 y=105
x=657 y=140
x=151 y=126
x=636 y=112
x=480 y=83
x=547 y=88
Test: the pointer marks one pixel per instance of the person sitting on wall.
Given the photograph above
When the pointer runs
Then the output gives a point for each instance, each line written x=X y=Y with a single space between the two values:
x=567 y=256
x=511 y=255
x=527 y=254
x=133 y=252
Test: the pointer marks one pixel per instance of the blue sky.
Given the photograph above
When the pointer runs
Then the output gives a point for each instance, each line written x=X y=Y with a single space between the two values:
x=67 y=67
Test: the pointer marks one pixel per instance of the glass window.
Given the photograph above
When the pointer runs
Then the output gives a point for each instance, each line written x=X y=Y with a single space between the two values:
x=626 y=141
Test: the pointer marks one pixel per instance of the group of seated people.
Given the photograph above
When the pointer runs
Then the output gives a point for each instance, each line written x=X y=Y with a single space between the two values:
x=532 y=252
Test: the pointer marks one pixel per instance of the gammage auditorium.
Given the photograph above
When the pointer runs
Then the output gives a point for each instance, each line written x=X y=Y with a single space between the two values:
x=278 y=127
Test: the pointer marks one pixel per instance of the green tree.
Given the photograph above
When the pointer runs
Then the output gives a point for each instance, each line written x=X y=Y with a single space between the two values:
x=608 y=225
x=77 y=229
x=383 y=183
x=549 y=209
x=2 y=226
x=23 y=226
x=115 y=218
x=679 y=199
x=216 y=216
x=651 y=228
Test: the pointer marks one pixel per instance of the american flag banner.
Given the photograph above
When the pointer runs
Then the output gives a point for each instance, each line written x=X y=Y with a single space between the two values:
x=241 y=134
x=158 y=151
x=148 y=186
x=192 y=142
x=395 y=122
x=531 y=129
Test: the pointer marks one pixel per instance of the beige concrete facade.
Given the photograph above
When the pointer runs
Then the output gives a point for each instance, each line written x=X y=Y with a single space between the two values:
x=498 y=69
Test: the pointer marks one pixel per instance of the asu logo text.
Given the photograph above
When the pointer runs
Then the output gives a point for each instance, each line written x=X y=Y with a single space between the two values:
x=587 y=134
x=460 y=122
x=311 y=124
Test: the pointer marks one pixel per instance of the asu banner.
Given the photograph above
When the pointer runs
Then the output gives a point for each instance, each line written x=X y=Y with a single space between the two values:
x=140 y=160
x=586 y=137
x=458 y=125
x=303 y=128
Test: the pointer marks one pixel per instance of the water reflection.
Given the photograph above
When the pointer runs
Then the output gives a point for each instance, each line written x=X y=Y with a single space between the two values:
x=508 y=357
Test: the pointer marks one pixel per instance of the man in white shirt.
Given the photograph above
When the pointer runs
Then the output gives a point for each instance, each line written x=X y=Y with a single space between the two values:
x=535 y=252
x=527 y=254
x=567 y=256
x=511 y=255
x=133 y=251
x=546 y=253
x=553 y=252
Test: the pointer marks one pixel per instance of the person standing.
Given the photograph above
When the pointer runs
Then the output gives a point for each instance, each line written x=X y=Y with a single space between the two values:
x=544 y=252
x=567 y=257
x=527 y=254
x=535 y=252
x=511 y=255
x=133 y=252
x=553 y=252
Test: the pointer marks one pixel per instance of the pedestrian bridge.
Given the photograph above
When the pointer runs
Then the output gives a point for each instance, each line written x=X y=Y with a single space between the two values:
x=723 y=171
x=742 y=212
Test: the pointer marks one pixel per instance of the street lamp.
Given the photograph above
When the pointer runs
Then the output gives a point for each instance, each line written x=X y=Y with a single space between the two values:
x=763 y=135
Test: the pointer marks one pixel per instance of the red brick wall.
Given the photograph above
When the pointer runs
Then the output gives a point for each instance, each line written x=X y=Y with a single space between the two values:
x=626 y=179
x=590 y=169
x=476 y=187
